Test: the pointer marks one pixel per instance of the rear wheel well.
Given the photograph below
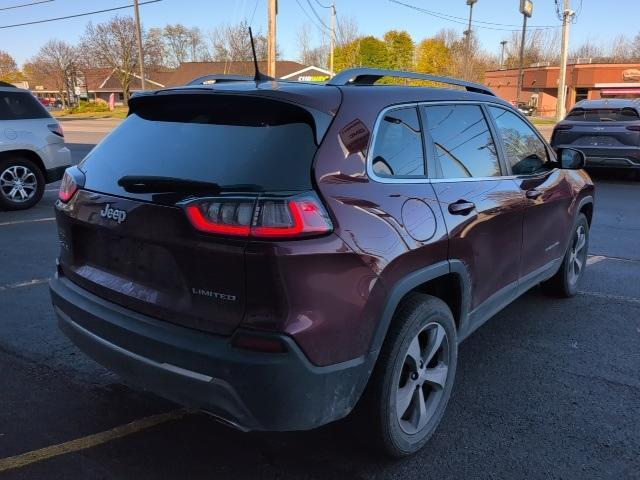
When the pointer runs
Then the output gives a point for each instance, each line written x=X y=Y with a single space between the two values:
x=447 y=288
x=587 y=209
x=30 y=154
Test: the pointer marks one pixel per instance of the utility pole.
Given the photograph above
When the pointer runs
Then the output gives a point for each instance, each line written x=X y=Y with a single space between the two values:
x=562 y=81
x=332 y=41
x=468 y=68
x=503 y=43
x=139 y=39
x=526 y=8
x=271 y=41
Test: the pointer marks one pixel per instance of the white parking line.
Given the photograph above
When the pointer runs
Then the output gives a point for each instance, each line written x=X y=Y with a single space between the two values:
x=28 y=283
x=17 y=222
x=612 y=297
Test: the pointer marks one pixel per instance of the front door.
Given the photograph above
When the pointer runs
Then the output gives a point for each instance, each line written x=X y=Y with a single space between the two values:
x=547 y=215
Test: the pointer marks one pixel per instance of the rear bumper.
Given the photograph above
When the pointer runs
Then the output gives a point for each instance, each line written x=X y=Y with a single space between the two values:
x=251 y=390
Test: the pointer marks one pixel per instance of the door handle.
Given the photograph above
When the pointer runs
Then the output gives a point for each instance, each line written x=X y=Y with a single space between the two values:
x=461 y=207
x=533 y=194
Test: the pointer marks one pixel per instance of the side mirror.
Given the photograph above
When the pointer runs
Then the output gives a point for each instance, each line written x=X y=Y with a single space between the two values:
x=571 y=159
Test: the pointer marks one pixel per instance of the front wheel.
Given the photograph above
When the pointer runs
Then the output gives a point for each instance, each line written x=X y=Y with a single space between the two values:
x=411 y=384
x=565 y=282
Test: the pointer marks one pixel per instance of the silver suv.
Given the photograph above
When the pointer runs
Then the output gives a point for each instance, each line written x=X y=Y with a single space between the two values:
x=32 y=149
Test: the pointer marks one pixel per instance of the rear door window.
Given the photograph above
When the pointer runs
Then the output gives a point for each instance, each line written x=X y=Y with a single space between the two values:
x=21 y=106
x=238 y=142
x=398 y=149
x=462 y=140
x=526 y=153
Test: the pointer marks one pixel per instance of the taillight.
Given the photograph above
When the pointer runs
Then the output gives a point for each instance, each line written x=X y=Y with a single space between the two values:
x=561 y=127
x=634 y=128
x=56 y=128
x=266 y=217
x=68 y=188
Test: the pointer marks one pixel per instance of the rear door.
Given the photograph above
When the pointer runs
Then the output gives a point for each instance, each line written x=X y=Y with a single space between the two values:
x=547 y=216
x=482 y=208
x=138 y=248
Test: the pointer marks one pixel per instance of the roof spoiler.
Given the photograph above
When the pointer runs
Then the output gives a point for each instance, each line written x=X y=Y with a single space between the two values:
x=368 y=76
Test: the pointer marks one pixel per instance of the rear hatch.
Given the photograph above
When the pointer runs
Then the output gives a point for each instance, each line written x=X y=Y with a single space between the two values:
x=596 y=128
x=132 y=243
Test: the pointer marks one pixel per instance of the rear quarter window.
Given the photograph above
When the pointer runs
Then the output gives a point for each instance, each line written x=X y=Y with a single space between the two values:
x=20 y=106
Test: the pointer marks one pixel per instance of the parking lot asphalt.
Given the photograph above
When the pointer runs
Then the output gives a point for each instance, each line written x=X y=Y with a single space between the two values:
x=548 y=388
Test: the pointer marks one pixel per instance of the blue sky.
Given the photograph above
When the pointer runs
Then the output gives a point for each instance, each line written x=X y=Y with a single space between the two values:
x=599 y=21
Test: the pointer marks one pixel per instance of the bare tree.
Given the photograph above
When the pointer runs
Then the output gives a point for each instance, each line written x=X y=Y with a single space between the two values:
x=8 y=67
x=154 y=54
x=184 y=44
x=113 y=44
x=448 y=36
x=346 y=30
x=230 y=43
x=308 y=54
x=587 y=50
x=55 y=63
x=540 y=46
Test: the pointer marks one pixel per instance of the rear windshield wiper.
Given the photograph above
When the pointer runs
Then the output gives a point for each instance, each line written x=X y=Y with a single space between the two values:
x=155 y=184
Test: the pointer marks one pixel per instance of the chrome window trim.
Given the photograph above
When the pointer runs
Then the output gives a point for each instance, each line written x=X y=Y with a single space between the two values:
x=425 y=179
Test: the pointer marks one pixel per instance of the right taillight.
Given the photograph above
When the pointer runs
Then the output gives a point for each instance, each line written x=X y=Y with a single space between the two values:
x=266 y=217
x=68 y=188
x=634 y=128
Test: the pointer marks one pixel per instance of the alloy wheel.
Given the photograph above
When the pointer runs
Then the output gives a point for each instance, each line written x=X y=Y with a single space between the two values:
x=423 y=378
x=18 y=183
x=577 y=254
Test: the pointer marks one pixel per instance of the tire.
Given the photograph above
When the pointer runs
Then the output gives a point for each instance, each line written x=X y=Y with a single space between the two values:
x=27 y=176
x=565 y=282
x=398 y=387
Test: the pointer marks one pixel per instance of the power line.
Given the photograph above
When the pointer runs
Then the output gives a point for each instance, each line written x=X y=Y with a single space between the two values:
x=12 y=7
x=76 y=15
x=460 y=20
x=254 y=13
x=322 y=30
x=317 y=16
x=323 y=6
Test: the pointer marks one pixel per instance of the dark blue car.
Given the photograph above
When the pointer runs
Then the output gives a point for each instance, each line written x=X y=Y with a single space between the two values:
x=607 y=131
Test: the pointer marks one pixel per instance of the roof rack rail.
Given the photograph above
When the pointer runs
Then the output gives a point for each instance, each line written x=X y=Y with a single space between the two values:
x=219 y=78
x=368 y=76
x=6 y=84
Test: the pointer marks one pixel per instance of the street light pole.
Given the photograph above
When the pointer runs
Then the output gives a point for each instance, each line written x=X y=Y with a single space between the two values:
x=526 y=8
x=468 y=34
x=503 y=43
x=139 y=39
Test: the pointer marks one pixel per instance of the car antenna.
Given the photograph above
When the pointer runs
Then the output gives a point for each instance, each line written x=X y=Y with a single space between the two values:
x=259 y=76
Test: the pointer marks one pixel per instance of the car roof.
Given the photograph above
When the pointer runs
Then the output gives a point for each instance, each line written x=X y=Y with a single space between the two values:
x=608 y=103
x=327 y=98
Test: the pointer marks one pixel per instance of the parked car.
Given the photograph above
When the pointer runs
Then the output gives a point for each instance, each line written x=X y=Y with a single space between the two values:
x=526 y=109
x=32 y=149
x=279 y=253
x=607 y=131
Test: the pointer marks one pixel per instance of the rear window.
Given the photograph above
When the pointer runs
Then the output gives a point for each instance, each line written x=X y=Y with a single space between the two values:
x=603 y=115
x=242 y=142
x=20 y=106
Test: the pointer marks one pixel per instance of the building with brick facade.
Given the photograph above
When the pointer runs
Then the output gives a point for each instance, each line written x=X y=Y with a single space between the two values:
x=584 y=81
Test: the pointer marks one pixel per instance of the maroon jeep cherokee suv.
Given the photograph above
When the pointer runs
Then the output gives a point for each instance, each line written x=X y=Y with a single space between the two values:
x=278 y=254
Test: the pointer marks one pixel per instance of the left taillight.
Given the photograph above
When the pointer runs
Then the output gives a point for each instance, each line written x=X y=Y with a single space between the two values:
x=68 y=188
x=267 y=217
x=56 y=128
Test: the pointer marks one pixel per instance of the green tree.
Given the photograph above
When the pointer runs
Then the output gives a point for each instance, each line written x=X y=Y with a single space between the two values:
x=400 y=49
x=362 y=52
x=8 y=68
x=433 y=56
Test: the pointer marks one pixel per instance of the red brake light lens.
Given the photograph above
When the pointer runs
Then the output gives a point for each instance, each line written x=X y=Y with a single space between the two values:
x=268 y=217
x=68 y=188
